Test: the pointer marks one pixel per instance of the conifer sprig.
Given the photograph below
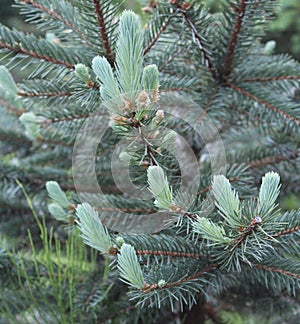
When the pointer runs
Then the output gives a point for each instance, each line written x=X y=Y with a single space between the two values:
x=103 y=31
x=92 y=231
x=87 y=65
x=57 y=10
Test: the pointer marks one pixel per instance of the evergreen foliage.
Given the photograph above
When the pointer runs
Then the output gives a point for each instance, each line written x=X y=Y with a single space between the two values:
x=165 y=147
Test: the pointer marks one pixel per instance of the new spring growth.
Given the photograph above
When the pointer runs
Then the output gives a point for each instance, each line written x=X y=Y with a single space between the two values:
x=159 y=116
x=159 y=187
x=55 y=192
x=161 y=283
x=120 y=241
x=82 y=72
x=6 y=80
x=31 y=123
x=150 y=81
x=8 y=88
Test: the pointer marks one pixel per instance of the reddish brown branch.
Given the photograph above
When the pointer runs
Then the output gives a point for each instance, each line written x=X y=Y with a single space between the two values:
x=155 y=39
x=264 y=103
x=272 y=160
x=169 y=60
x=197 y=39
x=279 y=78
x=44 y=94
x=64 y=119
x=272 y=269
x=173 y=254
x=103 y=32
x=209 y=103
x=170 y=254
x=36 y=55
x=233 y=38
x=287 y=231
x=174 y=89
x=52 y=13
x=246 y=231
x=150 y=287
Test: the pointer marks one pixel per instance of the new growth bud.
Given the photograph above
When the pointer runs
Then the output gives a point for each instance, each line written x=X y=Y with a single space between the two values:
x=159 y=116
x=82 y=72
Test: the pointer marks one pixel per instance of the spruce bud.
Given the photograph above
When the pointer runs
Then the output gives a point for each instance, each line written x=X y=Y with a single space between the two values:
x=82 y=72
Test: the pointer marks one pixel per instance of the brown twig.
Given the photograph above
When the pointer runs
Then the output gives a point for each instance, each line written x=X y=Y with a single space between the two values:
x=149 y=287
x=156 y=37
x=272 y=269
x=27 y=94
x=287 y=231
x=233 y=39
x=169 y=60
x=103 y=31
x=172 y=254
x=197 y=38
x=272 y=160
x=46 y=58
x=174 y=89
x=209 y=103
x=278 y=78
x=53 y=14
x=246 y=231
x=264 y=103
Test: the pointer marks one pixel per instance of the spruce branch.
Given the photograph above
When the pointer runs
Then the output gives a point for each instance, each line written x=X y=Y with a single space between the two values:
x=158 y=34
x=65 y=119
x=150 y=287
x=197 y=38
x=56 y=16
x=169 y=60
x=236 y=29
x=171 y=254
x=208 y=104
x=276 y=270
x=175 y=89
x=273 y=160
x=103 y=32
x=26 y=94
x=19 y=49
x=264 y=103
x=271 y=79
x=287 y=231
